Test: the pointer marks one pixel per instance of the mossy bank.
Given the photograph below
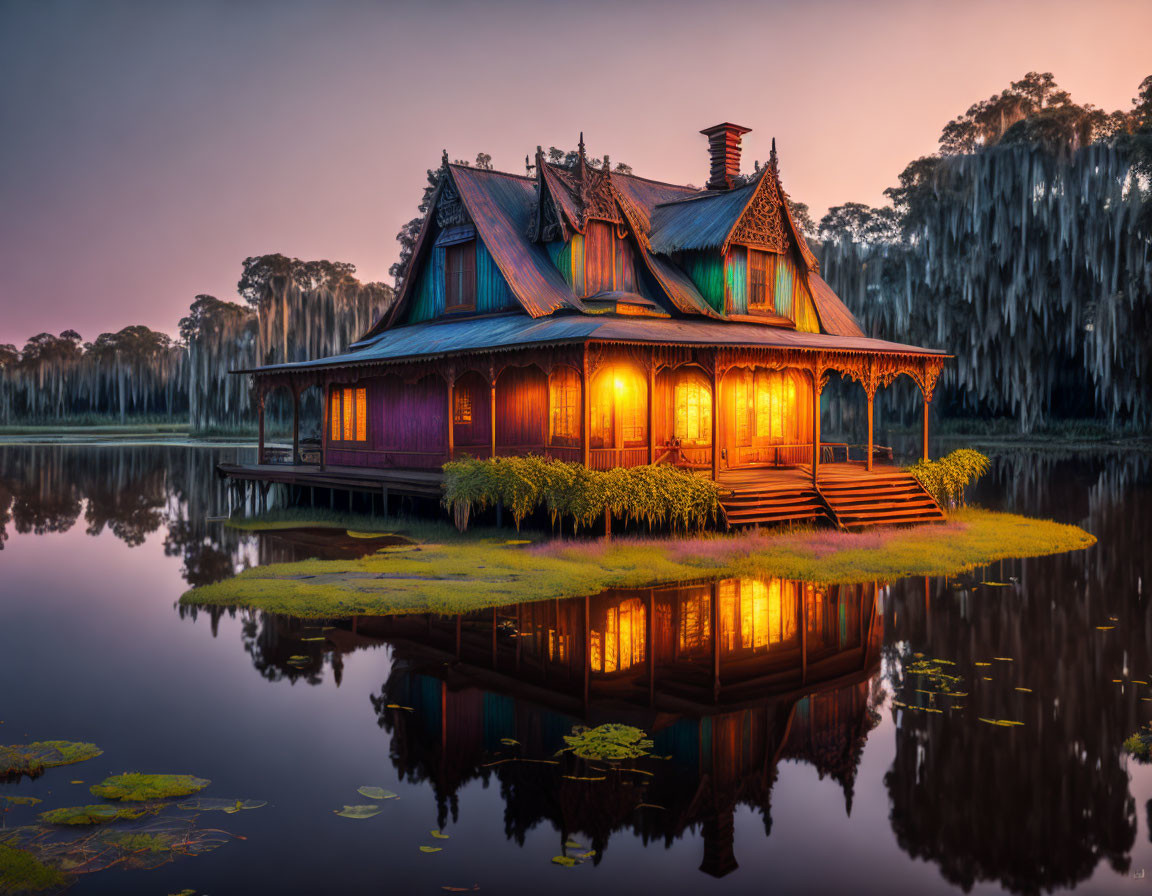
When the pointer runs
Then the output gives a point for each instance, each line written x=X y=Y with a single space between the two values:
x=442 y=571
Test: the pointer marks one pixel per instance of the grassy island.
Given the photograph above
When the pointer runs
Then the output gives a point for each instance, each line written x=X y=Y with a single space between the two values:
x=443 y=571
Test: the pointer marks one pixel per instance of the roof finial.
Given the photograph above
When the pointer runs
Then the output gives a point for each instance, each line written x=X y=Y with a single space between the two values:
x=528 y=165
x=772 y=157
x=444 y=158
x=581 y=145
x=607 y=164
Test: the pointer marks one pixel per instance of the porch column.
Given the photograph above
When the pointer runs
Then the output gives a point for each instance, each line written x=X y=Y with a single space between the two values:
x=585 y=412
x=715 y=419
x=260 y=417
x=326 y=422
x=871 y=400
x=817 y=388
x=928 y=373
x=927 y=401
x=870 y=384
x=295 y=425
x=451 y=413
x=492 y=412
x=651 y=410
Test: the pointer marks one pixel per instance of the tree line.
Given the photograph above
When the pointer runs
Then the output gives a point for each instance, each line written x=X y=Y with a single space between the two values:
x=291 y=310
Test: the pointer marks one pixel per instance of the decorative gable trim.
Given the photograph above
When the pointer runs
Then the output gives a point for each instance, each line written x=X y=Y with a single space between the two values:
x=761 y=224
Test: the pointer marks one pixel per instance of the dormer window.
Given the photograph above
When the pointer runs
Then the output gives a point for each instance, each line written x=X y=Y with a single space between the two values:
x=761 y=281
x=460 y=277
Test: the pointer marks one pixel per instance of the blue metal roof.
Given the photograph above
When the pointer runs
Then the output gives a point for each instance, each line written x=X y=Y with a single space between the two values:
x=508 y=331
x=702 y=222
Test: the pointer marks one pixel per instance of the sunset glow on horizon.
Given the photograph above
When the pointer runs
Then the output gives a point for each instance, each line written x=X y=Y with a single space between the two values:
x=149 y=148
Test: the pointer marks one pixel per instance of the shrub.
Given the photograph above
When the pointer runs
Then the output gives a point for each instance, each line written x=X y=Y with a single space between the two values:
x=945 y=479
x=655 y=494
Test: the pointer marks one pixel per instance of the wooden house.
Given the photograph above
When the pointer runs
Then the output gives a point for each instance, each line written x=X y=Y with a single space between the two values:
x=608 y=319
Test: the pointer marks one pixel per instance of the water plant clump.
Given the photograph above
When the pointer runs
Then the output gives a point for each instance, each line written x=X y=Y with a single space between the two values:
x=22 y=872
x=136 y=787
x=609 y=742
x=947 y=478
x=228 y=807
x=100 y=813
x=31 y=759
x=1139 y=745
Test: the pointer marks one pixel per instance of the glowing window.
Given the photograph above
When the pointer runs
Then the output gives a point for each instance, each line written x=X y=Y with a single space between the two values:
x=564 y=386
x=775 y=406
x=462 y=412
x=693 y=404
x=619 y=408
x=349 y=415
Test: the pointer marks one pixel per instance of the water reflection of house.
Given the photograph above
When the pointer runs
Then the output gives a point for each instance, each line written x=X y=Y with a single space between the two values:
x=789 y=677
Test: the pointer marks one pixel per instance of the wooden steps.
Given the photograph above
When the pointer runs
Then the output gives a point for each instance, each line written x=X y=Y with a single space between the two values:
x=768 y=506
x=846 y=496
x=891 y=498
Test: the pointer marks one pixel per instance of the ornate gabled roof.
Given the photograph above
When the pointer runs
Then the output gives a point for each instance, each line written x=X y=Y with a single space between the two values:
x=568 y=198
x=516 y=216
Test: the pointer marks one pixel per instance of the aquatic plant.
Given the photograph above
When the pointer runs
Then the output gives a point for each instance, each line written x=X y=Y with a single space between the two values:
x=361 y=811
x=947 y=478
x=609 y=742
x=136 y=787
x=376 y=793
x=1139 y=745
x=656 y=494
x=228 y=807
x=22 y=872
x=100 y=813
x=32 y=759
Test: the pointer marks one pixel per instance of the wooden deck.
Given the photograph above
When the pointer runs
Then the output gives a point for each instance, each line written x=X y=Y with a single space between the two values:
x=846 y=494
x=373 y=480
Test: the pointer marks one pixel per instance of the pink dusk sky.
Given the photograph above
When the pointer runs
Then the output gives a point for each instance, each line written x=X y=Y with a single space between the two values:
x=148 y=147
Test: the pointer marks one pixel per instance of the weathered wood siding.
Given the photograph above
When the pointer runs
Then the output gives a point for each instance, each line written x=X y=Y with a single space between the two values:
x=736 y=272
x=706 y=270
x=492 y=292
x=521 y=408
x=472 y=389
x=406 y=426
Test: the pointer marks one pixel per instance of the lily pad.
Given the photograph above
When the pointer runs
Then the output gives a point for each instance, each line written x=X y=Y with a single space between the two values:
x=136 y=787
x=438 y=834
x=376 y=793
x=229 y=807
x=20 y=800
x=431 y=848
x=609 y=742
x=101 y=813
x=566 y=861
x=358 y=811
x=31 y=759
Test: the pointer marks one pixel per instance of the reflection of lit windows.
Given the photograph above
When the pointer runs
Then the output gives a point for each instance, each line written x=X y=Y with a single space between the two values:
x=462 y=412
x=695 y=632
x=349 y=413
x=619 y=645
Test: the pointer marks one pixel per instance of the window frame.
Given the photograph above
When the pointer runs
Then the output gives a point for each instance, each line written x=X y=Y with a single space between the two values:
x=348 y=415
x=459 y=278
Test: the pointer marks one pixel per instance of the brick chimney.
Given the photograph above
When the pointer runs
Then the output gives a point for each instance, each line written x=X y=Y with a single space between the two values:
x=724 y=151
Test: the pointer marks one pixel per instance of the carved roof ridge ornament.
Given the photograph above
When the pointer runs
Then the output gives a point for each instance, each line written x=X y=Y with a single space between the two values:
x=801 y=243
x=450 y=210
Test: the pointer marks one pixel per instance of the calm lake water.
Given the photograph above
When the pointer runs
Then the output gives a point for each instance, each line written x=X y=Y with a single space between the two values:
x=797 y=751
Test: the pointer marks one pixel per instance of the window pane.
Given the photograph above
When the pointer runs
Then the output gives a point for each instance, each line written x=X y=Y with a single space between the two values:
x=335 y=414
x=361 y=415
x=349 y=422
x=462 y=412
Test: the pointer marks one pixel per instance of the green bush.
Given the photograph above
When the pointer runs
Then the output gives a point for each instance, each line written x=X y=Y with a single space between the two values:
x=656 y=494
x=945 y=479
